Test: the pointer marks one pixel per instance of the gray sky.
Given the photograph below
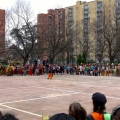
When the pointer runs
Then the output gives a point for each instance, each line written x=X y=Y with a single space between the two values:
x=41 y=6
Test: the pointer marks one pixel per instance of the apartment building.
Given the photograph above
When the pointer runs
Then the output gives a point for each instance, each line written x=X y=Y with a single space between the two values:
x=2 y=33
x=51 y=28
x=86 y=14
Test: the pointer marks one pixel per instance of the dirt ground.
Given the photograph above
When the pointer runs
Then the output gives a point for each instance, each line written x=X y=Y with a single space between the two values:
x=30 y=97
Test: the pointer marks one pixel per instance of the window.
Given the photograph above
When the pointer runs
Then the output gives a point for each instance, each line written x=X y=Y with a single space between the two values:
x=118 y=5
x=109 y=10
x=59 y=12
x=44 y=20
x=86 y=6
x=70 y=10
x=99 y=4
x=86 y=15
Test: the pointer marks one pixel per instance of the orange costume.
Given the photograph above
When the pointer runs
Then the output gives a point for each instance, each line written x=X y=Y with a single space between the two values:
x=98 y=116
x=50 y=74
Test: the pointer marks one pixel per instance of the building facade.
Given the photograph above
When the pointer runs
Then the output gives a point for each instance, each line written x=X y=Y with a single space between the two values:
x=2 y=33
x=88 y=19
x=51 y=28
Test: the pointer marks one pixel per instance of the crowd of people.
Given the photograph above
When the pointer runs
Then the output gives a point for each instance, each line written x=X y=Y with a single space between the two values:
x=78 y=112
x=40 y=69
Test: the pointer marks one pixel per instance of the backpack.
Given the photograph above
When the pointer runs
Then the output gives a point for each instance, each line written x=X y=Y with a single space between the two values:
x=106 y=116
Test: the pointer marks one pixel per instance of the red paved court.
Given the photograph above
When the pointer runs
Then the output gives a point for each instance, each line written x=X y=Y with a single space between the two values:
x=29 y=97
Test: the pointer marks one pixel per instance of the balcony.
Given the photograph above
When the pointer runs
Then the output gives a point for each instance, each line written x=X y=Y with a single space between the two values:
x=86 y=16
x=99 y=12
x=86 y=11
x=118 y=16
x=85 y=25
x=117 y=11
x=99 y=4
x=99 y=8
x=117 y=5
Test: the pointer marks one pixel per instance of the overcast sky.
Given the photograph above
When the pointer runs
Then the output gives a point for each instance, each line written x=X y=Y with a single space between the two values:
x=41 y=6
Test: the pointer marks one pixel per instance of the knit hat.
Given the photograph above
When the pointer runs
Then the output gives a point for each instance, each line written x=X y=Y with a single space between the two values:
x=61 y=116
x=99 y=98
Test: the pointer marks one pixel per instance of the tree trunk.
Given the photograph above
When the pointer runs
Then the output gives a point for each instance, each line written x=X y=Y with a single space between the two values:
x=68 y=58
x=25 y=61
x=100 y=59
x=111 y=59
x=51 y=60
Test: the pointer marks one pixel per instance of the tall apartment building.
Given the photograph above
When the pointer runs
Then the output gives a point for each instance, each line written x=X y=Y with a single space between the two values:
x=84 y=14
x=49 y=25
x=2 y=33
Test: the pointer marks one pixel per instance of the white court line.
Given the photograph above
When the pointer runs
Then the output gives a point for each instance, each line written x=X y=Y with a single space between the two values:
x=21 y=110
x=50 y=96
x=53 y=96
x=56 y=89
x=39 y=87
x=15 y=88
x=94 y=84
x=101 y=81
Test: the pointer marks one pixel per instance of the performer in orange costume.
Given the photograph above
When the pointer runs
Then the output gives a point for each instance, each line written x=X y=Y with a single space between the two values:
x=50 y=74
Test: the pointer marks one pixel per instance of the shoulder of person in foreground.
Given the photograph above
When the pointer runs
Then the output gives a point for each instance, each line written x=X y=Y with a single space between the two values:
x=115 y=115
x=8 y=116
x=93 y=116
x=61 y=116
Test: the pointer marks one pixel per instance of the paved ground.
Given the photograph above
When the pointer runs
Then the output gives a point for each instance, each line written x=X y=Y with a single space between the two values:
x=29 y=97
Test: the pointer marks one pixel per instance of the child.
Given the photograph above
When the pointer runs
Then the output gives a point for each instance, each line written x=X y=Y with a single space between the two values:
x=50 y=74
x=77 y=111
x=99 y=101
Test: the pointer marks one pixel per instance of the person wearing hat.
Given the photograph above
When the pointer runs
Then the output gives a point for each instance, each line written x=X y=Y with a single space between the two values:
x=99 y=101
x=61 y=116
x=115 y=115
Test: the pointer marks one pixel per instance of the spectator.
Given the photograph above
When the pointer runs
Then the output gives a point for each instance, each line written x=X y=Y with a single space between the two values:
x=61 y=116
x=8 y=116
x=77 y=111
x=115 y=115
x=35 y=63
x=38 y=61
x=99 y=101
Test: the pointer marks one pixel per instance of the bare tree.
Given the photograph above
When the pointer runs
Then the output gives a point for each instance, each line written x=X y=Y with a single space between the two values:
x=103 y=33
x=98 y=48
x=52 y=35
x=72 y=35
x=56 y=36
x=107 y=32
x=86 y=38
x=23 y=29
